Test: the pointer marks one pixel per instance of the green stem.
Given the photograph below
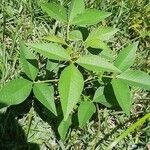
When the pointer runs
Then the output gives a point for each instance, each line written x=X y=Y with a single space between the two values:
x=93 y=79
x=67 y=32
x=29 y=120
x=46 y=81
x=56 y=80
x=130 y=129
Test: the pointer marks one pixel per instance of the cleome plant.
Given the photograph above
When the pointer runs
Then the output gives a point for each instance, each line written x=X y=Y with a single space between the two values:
x=82 y=71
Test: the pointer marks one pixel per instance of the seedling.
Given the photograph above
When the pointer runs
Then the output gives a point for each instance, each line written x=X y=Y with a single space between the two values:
x=78 y=62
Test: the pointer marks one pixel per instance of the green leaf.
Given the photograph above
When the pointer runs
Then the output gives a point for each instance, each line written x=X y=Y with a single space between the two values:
x=96 y=63
x=29 y=62
x=85 y=112
x=56 y=39
x=107 y=55
x=45 y=94
x=15 y=92
x=136 y=78
x=51 y=51
x=96 y=43
x=90 y=17
x=52 y=66
x=126 y=57
x=55 y=11
x=70 y=87
x=77 y=7
x=63 y=128
x=102 y=33
x=123 y=95
x=99 y=97
x=75 y=35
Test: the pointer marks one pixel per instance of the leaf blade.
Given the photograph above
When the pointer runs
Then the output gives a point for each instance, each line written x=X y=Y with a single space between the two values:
x=70 y=80
x=96 y=63
x=75 y=35
x=126 y=57
x=96 y=43
x=77 y=7
x=15 y=91
x=85 y=112
x=45 y=94
x=123 y=96
x=99 y=97
x=136 y=78
x=51 y=51
x=85 y=17
x=55 y=11
x=63 y=128
x=29 y=62
x=54 y=38
x=102 y=33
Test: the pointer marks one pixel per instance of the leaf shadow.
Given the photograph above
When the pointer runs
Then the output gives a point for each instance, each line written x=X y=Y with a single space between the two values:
x=94 y=51
x=47 y=116
x=33 y=62
x=110 y=96
x=12 y=136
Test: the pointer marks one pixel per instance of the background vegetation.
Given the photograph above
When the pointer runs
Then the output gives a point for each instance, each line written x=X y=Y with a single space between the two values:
x=24 y=128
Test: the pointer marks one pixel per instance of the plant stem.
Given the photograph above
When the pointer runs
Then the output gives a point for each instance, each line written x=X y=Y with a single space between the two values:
x=29 y=121
x=130 y=129
x=46 y=81
x=67 y=32
x=56 y=80
x=91 y=78
x=105 y=76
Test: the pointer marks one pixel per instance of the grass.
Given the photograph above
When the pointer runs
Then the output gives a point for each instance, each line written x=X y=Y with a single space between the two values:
x=25 y=128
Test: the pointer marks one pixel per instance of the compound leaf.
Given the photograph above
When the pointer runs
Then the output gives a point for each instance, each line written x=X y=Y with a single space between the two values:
x=15 y=92
x=55 y=11
x=45 y=94
x=136 y=78
x=85 y=112
x=51 y=51
x=123 y=95
x=29 y=62
x=96 y=63
x=90 y=17
x=126 y=57
x=70 y=87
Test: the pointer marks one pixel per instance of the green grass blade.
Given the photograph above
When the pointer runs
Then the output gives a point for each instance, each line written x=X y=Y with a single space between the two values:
x=129 y=130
